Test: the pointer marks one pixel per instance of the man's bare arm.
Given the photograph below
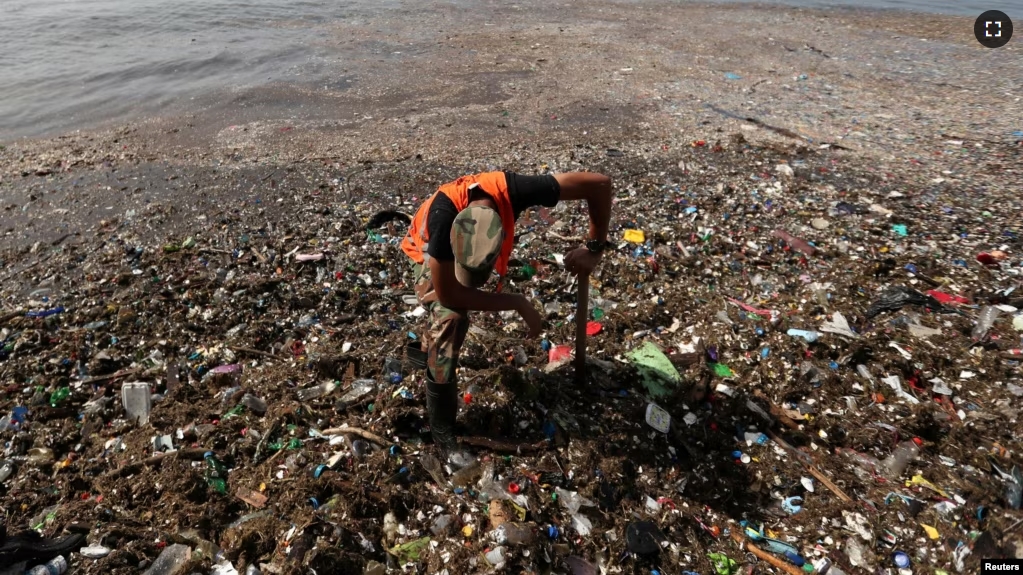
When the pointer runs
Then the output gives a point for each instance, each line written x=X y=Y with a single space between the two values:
x=596 y=189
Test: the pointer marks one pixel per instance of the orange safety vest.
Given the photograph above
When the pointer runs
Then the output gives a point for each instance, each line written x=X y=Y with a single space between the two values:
x=495 y=185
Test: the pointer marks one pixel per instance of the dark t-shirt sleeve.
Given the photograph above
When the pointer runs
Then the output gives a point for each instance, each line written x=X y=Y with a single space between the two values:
x=529 y=191
x=438 y=225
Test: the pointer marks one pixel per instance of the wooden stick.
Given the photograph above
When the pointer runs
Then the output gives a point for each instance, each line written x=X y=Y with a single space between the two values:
x=582 y=312
x=503 y=446
x=132 y=468
x=122 y=373
x=827 y=483
x=765 y=556
x=360 y=432
x=807 y=463
x=239 y=349
x=776 y=411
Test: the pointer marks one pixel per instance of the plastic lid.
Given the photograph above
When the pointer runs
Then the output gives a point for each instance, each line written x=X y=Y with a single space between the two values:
x=207 y=454
x=901 y=559
x=918 y=441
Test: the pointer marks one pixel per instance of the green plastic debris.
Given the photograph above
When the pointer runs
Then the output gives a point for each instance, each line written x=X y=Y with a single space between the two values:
x=900 y=229
x=598 y=314
x=659 y=376
x=722 y=564
x=58 y=397
x=188 y=243
x=410 y=552
x=721 y=370
x=528 y=271
x=171 y=248
x=295 y=443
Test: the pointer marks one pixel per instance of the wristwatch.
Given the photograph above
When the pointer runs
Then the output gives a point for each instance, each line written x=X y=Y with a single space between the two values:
x=597 y=246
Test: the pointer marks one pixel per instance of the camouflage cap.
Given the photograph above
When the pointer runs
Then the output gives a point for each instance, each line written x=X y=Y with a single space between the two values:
x=476 y=238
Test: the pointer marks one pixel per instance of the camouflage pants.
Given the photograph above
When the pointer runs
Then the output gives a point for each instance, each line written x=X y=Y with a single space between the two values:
x=446 y=333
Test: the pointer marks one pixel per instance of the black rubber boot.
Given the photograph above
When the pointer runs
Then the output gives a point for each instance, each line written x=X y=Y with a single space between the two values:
x=442 y=406
x=34 y=549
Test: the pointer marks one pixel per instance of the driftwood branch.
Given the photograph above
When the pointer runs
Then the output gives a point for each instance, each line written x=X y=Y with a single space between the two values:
x=503 y=446
x=158 y=459
x=360 y=432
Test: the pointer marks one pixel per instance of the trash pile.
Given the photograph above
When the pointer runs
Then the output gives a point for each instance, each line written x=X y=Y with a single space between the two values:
x=795 y=365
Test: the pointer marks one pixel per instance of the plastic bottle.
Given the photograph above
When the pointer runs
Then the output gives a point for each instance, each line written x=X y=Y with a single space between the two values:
x=6 y=470
x=216 y=473
x=56 y=566
x=514 y=534
x=59 y=396
x=900 y=458
x=866 y=466
x=987 y=317
x=316 y=391
x=170 y=560
x=254 y=404
x=359 y=389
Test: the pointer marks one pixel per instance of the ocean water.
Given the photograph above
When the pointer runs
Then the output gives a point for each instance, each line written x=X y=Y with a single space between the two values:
x=65 y=64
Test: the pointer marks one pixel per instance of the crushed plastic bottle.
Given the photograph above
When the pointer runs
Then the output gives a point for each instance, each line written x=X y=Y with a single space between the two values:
x=986 y=319
x=254 y=404
x=360 y=388
x=55 y=566
x=904 y=454
x=866 y=466
x=317 y=391
x=170 y=560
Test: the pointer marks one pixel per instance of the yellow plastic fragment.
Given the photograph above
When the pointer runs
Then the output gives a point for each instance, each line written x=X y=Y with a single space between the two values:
x=635 y=236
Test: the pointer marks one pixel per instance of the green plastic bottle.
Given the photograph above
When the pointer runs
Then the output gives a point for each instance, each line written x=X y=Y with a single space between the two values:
x=216 y=473
x=57 y=397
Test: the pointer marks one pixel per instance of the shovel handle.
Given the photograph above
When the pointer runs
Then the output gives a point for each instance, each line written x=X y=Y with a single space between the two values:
x=582 y=313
